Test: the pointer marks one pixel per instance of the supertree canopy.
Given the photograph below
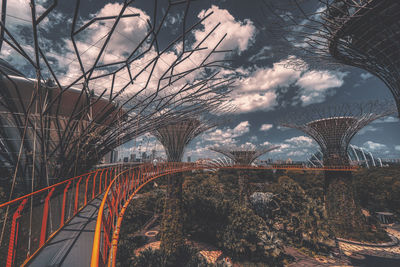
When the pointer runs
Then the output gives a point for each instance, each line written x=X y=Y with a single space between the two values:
x=360 y=33
x=60 y=117
x=243 y=155
x=333 y=128
x=175 y=137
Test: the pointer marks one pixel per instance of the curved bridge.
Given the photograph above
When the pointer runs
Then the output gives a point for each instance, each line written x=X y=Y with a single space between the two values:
x=77 y=221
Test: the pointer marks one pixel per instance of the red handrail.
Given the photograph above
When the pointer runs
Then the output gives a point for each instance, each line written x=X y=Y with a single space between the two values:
x=24 y=238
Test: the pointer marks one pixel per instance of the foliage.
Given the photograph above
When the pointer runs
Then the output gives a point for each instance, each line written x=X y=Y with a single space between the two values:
x=207 y=204
x=172 y=238
x=297 y=218
x=378 y=189
x=186 y=257
x=136 y=215
x=246 y=236
x=213 y=214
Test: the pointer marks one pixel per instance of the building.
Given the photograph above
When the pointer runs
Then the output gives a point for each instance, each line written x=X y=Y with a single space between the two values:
x=357 y=156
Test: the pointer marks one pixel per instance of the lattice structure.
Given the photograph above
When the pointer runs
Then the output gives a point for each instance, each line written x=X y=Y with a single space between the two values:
x=244 y=155
x=54 y=125
x=334 y=127
x=360 y=33
x=176 y=136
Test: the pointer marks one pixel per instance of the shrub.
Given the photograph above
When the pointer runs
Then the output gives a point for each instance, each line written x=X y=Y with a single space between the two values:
x=297 y=218
x=247 y=237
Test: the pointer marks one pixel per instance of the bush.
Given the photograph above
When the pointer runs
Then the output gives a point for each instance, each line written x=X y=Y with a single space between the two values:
x=247 y=237
x=297 y=218
x=186 y=257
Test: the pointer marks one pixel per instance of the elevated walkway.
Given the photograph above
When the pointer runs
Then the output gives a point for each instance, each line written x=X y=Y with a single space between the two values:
x=76 y=222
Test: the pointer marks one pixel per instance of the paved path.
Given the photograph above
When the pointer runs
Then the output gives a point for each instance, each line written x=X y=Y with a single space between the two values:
x=72 y=246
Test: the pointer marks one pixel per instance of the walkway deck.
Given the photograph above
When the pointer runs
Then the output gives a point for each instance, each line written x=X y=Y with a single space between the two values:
x=72 y=246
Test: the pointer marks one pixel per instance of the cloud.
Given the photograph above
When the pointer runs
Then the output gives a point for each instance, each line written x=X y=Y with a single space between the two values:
x=368 y=128
x=266 y=127
x=366 y=75
x=301 y=141
x=254 y=138
x=376 y=147
x=315 y=85
x=226 y=136
x=263 y=54
x=397 y=148
x=297 y=147
x=240 y=34
x=282 y=128
x=257 y=89
x=388 y=119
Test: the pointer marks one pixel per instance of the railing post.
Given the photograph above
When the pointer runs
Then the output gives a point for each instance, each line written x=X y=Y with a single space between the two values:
x=63 y=203
x=77 y=195
x=86 y=188
x=101 y=175
x=106 y=180
x=14 y=234
x=94 y=184
x=43 y=231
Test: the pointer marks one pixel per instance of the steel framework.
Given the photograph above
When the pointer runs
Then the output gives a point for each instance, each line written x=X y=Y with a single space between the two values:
x=54 y=126
x=333 y=128
x=175 y=137
x=69 y=197
x=359 y=33
x=245 y=154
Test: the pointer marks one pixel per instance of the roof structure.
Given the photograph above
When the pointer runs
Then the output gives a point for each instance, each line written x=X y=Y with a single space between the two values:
x=244 y=155
x=334 y=127
x=54 y=125
x=357 y=156
x=177 y=135
x=362 y=33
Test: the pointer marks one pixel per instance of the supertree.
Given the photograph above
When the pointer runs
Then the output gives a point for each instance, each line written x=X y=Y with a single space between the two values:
x=175 y=137
x=243 y=155
x=68 y=105
x=333 y=128
x=359 y=33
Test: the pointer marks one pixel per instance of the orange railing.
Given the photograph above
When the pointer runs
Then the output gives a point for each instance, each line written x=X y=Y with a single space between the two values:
x=115 y=201
x=30 y=221
x=124 y=187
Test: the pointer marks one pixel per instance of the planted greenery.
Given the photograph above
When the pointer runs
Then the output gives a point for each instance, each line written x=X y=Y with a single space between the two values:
x=295 y=217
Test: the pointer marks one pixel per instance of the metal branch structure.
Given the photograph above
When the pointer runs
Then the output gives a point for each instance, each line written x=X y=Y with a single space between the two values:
x=243 y=155
x=175 y=137
x=359 y=33
x=56 y=124
x=71 y=94
x=333 y=128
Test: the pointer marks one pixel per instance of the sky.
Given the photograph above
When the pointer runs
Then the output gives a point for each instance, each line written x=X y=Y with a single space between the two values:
x=266 y=89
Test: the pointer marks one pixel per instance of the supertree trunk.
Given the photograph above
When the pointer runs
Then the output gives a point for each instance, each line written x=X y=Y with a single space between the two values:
x=172 y=221
x=243 y=188
x=344 y=213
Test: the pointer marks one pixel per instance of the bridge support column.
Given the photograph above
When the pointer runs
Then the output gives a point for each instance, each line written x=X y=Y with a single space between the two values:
x=344 y=213
x=243 y=181
x=172 y=222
